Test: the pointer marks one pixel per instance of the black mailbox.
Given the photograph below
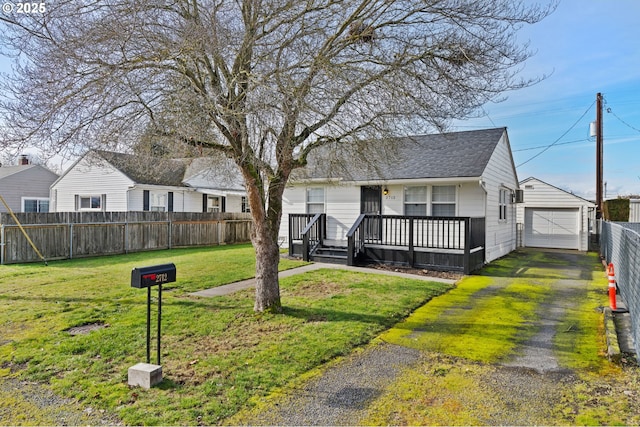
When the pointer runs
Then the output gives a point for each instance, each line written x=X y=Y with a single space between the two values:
x=145 y=277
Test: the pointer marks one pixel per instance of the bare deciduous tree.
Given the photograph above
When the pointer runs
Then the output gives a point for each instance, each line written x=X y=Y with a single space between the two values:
x=262 y=82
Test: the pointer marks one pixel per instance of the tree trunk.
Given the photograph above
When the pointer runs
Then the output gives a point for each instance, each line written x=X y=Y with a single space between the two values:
x=264 y=237
x=267 y=260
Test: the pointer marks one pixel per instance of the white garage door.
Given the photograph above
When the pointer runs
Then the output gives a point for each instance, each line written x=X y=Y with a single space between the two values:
x=551 y=228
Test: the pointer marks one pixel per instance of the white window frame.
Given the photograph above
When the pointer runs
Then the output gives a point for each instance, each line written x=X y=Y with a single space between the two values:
x=415 y=202
x=90 y=197
x=38 y=200
x=315 y=206
x=452 y=202
x=503 y=201
x=158 y=201
x=244 y=204
x=214 y=203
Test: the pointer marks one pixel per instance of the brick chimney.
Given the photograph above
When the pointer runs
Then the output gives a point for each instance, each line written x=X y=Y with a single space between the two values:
x=24 y=160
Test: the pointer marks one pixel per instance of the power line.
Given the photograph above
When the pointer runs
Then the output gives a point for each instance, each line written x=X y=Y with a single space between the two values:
x=561 y=136
x=609 y=110
x=562 y=143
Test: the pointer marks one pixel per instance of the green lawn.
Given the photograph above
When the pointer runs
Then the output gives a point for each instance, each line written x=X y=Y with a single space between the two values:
x=217 y=354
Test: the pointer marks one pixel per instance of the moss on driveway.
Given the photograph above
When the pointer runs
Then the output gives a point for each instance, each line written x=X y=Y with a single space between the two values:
x=520 y=343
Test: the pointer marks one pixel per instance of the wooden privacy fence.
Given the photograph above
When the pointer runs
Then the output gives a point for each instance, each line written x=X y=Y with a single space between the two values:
x=63 y=235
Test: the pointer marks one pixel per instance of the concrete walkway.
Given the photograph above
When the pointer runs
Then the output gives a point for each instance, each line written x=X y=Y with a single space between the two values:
x=250 y=283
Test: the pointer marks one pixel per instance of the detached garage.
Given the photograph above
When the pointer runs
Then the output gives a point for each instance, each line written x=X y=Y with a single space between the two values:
x=553 y=218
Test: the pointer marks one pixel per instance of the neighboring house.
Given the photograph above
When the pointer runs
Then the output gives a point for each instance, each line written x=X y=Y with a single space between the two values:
x=550 y=217
x=25 y=187
x=107 y=181
x=634 y=210
x=430 y=201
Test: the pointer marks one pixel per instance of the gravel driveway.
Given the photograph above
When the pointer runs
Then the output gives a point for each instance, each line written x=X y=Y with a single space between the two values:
x=524 y=390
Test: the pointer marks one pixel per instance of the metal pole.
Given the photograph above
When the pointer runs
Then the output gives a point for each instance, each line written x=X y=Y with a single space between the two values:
x=149 y=324
x=159 y=317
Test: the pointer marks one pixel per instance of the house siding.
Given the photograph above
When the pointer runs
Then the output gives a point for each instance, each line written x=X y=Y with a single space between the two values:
x=476 y=196
x=342 y=204
x=92 y=176
x=543 y=195
x=31 y=181
x=499 y=174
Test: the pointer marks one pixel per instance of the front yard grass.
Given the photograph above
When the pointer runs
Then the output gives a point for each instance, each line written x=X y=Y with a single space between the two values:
x=217 y=354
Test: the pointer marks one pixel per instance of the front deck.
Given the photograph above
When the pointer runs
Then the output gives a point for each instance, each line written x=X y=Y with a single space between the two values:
x=434 y=243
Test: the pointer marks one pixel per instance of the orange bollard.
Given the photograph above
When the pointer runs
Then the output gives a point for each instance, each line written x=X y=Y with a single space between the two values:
x=612 y=287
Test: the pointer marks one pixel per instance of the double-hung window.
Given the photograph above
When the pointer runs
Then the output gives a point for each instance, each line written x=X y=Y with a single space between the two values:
x=415 y=201
x=502 y=205
x=315 y=200
x=443 y=200
x=245 y=204
x=158 y=202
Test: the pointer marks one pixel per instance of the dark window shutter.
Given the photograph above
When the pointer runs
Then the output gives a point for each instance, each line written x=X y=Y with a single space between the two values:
x=223 y=204
x=204 y=203
x=77 y=197
x=145 y=200
x=170 y=201
x=103 y=202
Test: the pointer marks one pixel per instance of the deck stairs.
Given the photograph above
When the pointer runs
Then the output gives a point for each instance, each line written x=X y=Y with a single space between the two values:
x=330 y=254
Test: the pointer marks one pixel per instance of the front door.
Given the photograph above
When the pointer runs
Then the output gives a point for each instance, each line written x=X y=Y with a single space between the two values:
x=371 y=204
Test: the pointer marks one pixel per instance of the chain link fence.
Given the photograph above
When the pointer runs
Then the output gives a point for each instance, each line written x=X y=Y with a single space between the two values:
x=620 y=245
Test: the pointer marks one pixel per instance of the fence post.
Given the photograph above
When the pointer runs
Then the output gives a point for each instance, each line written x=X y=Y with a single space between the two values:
x=411 y=244
x=466 y=262
x=169 y=228
x=290 y=236
x=2 y=244
x=70 y=240
x=126 y=234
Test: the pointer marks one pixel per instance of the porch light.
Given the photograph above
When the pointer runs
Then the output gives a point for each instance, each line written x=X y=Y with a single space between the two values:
x=385 y=191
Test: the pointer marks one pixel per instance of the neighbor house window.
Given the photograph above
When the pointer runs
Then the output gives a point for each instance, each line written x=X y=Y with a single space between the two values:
x=158 y=202
x=90 y=203
x=443 y=200
x=214 y=204
x=245 y=205
x=502 y=205
x=415 y=201
x=35 y=204
x=315 y=200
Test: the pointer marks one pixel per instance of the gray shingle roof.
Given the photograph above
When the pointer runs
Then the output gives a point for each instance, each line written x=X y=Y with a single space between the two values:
x=445 y=155
x=219 y=173
x=148 y=170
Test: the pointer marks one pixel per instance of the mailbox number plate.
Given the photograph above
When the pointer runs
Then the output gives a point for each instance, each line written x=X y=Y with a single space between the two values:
x=145 y=277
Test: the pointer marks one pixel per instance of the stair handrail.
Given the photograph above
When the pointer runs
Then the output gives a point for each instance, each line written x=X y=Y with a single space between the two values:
x=313 y=235
x=355 y=239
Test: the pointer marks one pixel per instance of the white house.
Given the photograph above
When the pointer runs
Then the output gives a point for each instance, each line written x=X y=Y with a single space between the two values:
x=108 y=181
x=550 y=217
x=452 y=175
x=25 y=187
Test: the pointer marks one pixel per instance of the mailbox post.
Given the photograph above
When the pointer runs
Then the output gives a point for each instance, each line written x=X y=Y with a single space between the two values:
x=147 y=375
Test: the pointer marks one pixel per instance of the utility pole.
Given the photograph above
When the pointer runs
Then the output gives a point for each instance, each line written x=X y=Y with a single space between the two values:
x=598 y=155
